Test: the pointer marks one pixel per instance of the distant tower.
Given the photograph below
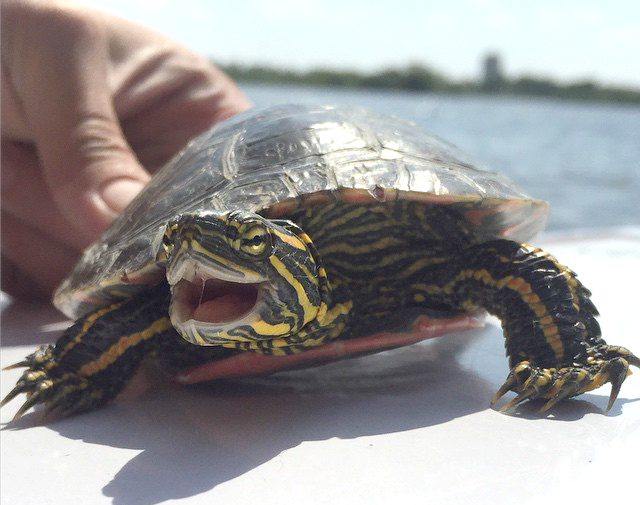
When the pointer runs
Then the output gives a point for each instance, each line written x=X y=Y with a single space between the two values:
x=493 y=79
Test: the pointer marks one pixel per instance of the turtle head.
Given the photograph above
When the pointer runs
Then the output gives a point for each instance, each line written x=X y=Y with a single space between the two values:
x=239 y=280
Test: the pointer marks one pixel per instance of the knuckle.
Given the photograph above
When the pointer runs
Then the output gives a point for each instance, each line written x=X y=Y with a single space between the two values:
x=94 y=150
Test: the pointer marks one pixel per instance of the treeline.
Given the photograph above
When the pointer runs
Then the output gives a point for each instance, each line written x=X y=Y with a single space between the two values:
x=583 y=90
x=421 y=78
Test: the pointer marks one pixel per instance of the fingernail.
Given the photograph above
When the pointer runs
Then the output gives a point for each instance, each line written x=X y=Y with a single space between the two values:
x=118 y=193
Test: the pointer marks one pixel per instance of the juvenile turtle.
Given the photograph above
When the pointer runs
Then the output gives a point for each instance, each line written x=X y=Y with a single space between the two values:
x=296 y=234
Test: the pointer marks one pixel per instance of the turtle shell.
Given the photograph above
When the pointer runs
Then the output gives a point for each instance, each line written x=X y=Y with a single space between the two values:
x=277 y=159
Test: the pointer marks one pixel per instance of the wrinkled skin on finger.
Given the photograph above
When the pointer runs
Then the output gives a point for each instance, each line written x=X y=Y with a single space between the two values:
x=92 y=105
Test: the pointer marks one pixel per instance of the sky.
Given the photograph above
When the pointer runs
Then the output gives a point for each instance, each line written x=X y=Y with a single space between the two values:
x=567 y=40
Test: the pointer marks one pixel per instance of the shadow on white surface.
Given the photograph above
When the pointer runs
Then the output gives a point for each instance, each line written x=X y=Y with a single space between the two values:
x=215 y=433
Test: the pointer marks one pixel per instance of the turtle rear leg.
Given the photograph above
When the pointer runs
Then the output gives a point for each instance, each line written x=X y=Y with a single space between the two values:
x=552 y=337
x=95 y=358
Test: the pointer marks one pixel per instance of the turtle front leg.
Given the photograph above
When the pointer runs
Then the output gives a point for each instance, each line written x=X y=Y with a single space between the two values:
x=552 y=337
x=95 y=358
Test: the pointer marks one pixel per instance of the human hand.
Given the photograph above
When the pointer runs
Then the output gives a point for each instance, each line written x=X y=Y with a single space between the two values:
x=91 y=105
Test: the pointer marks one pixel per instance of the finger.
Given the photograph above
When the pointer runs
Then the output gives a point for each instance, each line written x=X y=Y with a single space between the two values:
x=186 y=98
x=162 y=130
x=26 y=196
x=89 y=168
x=32 y=264
x=169 y=96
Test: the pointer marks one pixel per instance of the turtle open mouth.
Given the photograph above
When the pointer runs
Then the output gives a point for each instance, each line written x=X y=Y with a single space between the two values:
x=213 y=300
x=208 y=296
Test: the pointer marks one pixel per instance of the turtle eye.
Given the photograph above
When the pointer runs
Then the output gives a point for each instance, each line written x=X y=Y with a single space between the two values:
x=256 y=240
x=249 y=235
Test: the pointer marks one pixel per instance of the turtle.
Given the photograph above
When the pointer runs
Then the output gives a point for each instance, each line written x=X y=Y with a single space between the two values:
x=293 y=235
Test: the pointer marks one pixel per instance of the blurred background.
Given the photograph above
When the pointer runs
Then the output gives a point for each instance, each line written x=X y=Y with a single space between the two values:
x=547 y=92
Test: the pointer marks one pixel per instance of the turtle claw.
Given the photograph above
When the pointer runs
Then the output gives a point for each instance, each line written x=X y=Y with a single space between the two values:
x=12 y=394
x=504 y=389
x=20 y=364
x=57 y=389
x=623 y=352
x=38 y=360
x=528 y=381
x=32 y=400
x=525 y=395
x=36 y=385
x=567 y=382
x=617 y=371
x=516 y=378
x=556 y=384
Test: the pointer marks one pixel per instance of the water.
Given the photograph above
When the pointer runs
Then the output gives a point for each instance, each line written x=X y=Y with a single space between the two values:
x=584 y=158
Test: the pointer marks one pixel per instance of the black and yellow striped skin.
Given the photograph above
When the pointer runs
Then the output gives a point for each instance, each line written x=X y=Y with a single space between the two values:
x=277 y=254
x=352 y=270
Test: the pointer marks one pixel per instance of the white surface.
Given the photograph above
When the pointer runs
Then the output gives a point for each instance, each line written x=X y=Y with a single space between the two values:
x=407 y=426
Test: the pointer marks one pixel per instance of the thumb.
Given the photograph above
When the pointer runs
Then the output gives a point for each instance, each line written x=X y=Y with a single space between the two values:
x=89 y=168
